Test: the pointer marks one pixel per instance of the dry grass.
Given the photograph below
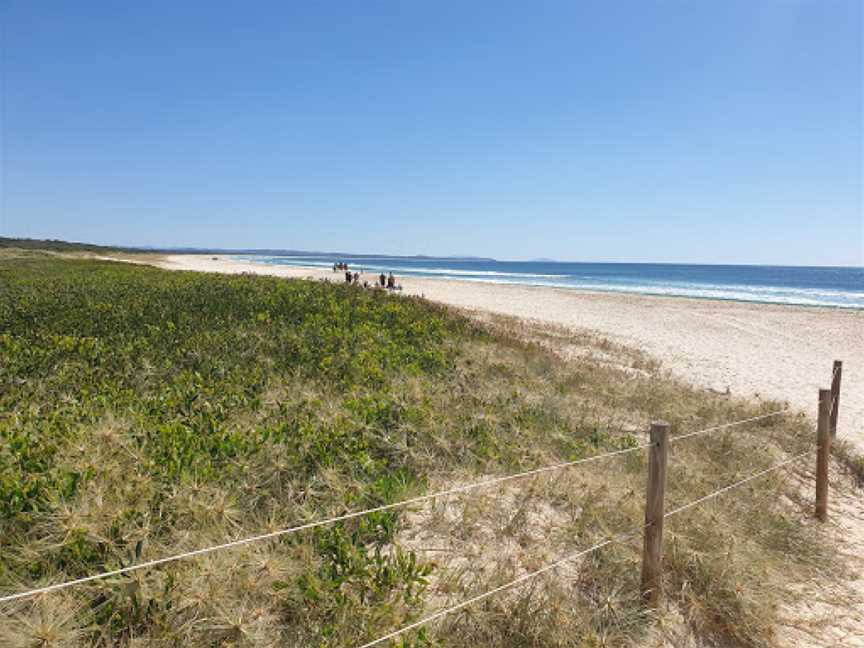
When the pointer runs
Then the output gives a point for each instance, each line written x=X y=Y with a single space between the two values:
x=852 y=462
x=730 y=564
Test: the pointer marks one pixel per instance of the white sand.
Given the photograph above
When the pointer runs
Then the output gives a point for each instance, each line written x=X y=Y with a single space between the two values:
x=779 y=352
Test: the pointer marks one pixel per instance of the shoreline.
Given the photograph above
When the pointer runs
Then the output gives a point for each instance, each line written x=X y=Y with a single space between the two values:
x=584 y=289
x=763 y=350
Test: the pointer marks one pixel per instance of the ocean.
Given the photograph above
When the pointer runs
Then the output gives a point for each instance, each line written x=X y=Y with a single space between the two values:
x=838 y=287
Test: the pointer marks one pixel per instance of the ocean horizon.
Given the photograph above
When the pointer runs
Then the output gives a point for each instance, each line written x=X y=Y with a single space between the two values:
x=837 y=287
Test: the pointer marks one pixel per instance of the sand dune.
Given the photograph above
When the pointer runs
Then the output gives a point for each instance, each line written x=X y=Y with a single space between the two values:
x=780 y=352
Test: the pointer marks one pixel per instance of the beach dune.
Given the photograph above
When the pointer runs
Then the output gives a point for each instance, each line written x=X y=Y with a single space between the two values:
x=766 y=351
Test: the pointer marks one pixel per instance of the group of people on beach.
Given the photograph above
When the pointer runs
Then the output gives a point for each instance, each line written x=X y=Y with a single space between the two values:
x=387 y=281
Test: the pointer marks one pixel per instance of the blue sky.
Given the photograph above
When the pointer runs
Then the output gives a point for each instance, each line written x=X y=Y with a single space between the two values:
x=626 y=131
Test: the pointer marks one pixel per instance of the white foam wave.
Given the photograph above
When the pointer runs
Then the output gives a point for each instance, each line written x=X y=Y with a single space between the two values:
x=294 y=261
x=729 y=292
x=792 y=297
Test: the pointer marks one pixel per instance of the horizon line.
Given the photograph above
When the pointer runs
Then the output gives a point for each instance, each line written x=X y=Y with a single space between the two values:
x=189 y=249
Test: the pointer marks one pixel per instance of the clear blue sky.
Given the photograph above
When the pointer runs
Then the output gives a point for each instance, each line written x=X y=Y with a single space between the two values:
x=635 y=131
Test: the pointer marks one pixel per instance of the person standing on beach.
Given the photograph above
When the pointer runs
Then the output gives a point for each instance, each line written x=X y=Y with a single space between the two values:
x=382 y=280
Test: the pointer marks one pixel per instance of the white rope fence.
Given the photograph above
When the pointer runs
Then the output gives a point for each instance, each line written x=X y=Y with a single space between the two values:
x=318 y=523
x=574 y=556
x=356 y=514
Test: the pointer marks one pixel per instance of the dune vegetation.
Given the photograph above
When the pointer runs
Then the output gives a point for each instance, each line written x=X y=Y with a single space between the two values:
x=146 y=412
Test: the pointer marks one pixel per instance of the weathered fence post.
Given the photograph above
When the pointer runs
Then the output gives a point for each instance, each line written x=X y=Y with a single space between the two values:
x=835 y=395
x=652 y=551
x=823 y=440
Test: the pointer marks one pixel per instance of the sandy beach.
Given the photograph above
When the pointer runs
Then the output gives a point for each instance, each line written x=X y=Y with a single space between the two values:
x=770 y=351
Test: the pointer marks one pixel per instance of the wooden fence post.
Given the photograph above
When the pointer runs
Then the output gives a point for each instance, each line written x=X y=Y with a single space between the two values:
x=823 y=440
x=652 y=551
x=835 y=395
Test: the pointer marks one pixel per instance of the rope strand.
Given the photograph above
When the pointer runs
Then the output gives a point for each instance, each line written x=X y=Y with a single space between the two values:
x=311 y=525
x=728 y=425
x=484 y=595
x=735 y=485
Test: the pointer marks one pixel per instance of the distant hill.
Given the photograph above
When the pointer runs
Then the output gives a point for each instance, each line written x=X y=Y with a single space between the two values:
x=60 y=246
x=71 y=246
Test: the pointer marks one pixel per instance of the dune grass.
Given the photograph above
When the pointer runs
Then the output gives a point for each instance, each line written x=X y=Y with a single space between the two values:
x=147 y=412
